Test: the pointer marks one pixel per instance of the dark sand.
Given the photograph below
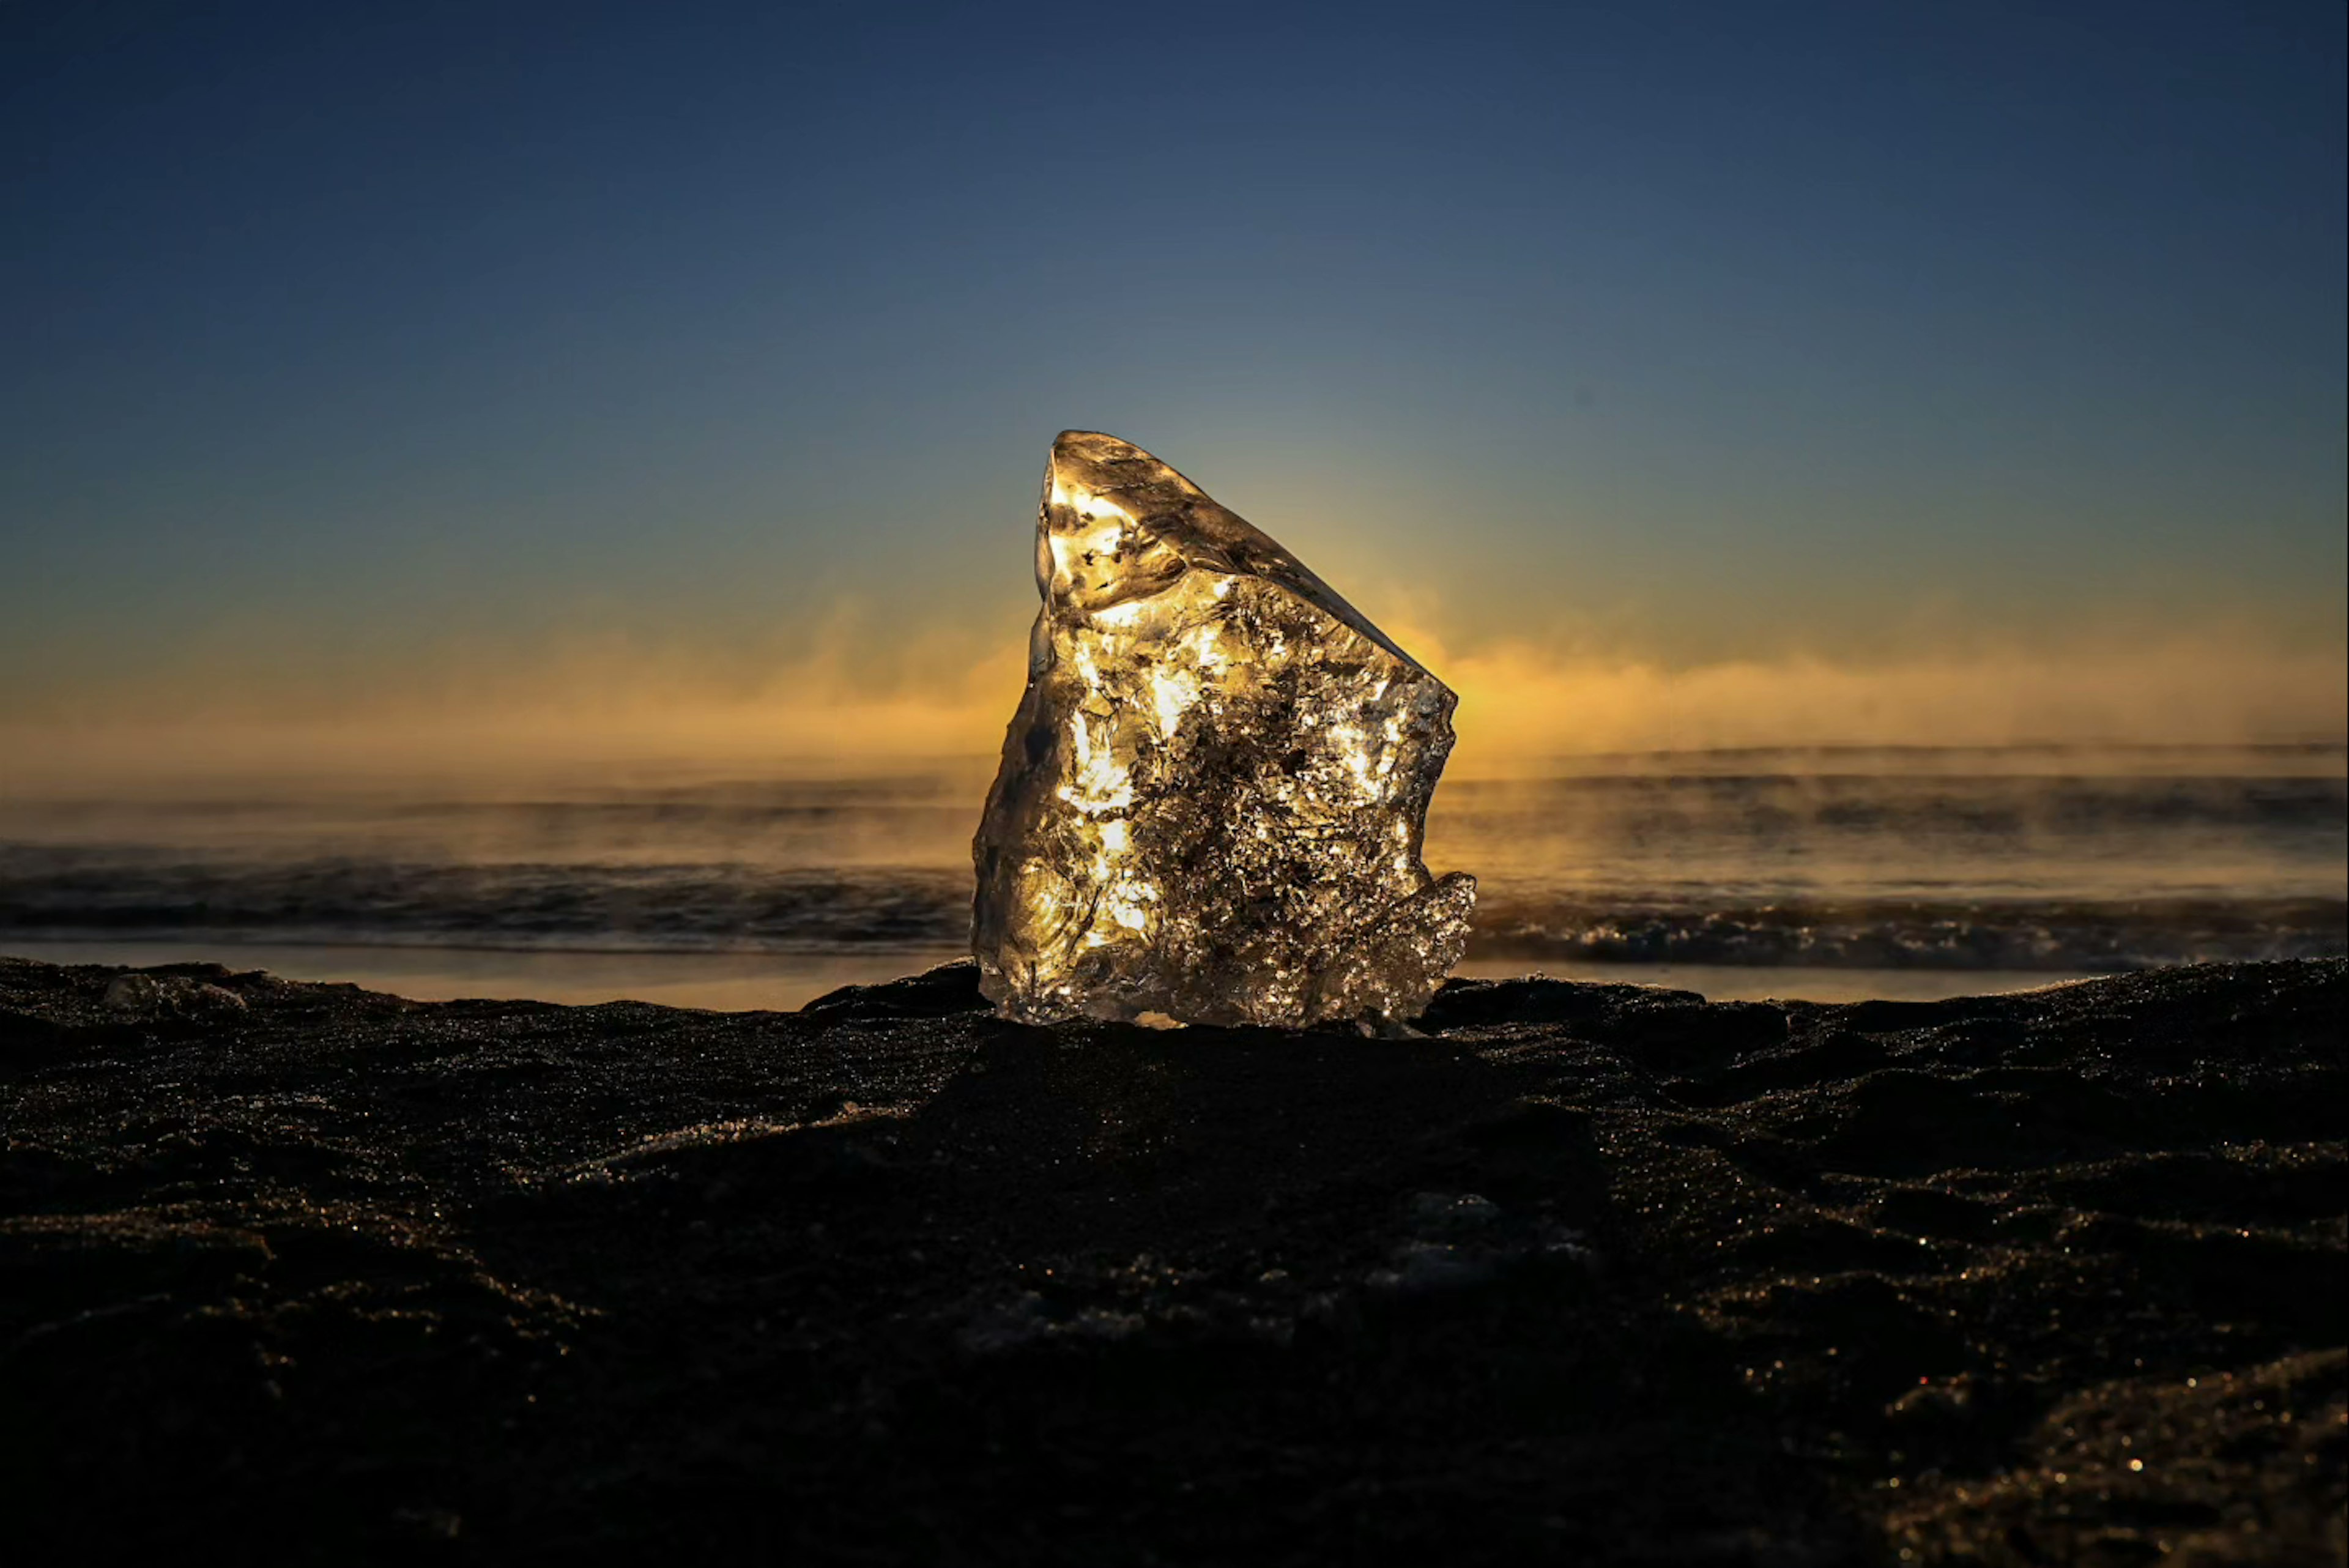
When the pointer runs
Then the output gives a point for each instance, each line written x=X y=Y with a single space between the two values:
x=1595 y=1274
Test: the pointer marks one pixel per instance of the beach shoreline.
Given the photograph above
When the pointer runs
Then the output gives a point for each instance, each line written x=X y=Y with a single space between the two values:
x=781 y=981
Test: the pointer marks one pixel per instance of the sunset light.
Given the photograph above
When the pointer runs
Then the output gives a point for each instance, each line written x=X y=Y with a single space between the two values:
x=621 y=942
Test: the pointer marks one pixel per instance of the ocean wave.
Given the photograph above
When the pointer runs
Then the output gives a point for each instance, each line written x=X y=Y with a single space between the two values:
x=69 y=892
x=619 y=908
x=2000 y=934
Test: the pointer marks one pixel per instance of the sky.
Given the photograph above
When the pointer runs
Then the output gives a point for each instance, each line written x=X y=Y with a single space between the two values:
x=449 y=381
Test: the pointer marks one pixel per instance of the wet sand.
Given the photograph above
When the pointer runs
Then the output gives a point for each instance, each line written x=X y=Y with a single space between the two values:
x=1590 y=1274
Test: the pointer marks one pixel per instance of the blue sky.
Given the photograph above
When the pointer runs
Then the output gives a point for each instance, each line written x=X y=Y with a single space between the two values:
x=341 y=336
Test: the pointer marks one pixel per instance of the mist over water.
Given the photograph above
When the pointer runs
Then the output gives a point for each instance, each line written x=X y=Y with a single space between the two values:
x=1907 y=867
x=2034 y=860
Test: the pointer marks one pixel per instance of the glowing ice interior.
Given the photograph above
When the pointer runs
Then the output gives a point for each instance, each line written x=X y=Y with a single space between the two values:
x=1212 y=797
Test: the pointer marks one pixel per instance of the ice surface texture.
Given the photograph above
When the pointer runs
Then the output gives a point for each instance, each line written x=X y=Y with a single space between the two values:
x=1212 y=794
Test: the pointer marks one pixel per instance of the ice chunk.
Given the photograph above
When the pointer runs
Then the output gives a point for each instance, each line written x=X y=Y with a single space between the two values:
x=1212 y=794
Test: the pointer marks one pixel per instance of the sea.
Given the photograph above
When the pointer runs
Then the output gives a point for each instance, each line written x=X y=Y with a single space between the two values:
x=1820 y=873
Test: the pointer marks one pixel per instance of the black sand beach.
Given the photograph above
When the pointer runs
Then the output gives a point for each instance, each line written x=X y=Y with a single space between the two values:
x=1590 y=1275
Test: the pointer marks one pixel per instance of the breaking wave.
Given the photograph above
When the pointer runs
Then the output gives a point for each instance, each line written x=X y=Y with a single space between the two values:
x=1901 y=867
x=584 y=906
x=702 y=909
x=2013 y=935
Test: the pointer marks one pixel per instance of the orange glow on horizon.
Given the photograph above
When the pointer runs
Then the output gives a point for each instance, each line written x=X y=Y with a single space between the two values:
x=941 y=706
